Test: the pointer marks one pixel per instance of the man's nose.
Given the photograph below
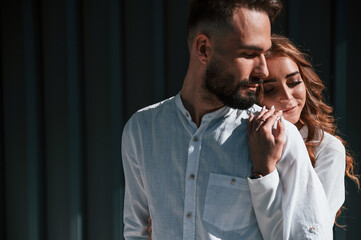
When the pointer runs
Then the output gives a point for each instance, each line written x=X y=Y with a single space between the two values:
x=261 y=69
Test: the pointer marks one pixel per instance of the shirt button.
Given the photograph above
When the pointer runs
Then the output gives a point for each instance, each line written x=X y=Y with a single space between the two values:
x=312 y=230
x=233 y=181
x=189 y=215
x=195 y=139
x=187 y=115
x=192 y=176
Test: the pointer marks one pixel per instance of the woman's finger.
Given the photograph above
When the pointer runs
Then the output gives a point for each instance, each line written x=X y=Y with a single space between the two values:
x=280 y=131
x=260 y=121
x=261 y=113
x=269 y=113
x=269 y=122
x=265 y=114
x=250 y=123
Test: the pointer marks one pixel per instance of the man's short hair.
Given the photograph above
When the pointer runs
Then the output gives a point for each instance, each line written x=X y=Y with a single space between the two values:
x=211 y=15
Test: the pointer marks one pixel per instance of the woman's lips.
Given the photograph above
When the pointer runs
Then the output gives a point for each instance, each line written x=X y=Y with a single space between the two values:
x=290 y=109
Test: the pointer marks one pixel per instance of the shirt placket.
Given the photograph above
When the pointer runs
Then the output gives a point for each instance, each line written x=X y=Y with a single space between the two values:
x=189 y=218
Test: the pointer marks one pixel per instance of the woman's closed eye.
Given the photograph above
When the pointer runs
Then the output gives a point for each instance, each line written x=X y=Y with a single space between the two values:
x=270 y=88
x=294 y=83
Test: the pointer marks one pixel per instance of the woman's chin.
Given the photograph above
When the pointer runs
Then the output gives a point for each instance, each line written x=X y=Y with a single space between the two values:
x=291 y=119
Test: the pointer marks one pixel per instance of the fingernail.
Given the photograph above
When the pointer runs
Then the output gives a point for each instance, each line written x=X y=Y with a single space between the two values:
x=280 y=111
x=275 y=125
x=282 y=119
x=263 y=108
x=273 y=107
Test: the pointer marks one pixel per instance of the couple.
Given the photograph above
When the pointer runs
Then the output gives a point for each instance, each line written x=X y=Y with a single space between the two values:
x=210 y=164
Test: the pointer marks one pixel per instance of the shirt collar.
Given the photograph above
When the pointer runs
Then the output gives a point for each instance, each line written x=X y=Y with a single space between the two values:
x=219 y=113
x=304 y=134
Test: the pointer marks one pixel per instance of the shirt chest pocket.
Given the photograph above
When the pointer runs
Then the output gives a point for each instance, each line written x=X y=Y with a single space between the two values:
x=228 y=204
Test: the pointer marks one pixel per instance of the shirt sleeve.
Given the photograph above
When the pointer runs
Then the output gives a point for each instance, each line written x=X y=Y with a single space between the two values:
x=330 y=168
x=294 y=206
x=266 y=193
x=136 y=211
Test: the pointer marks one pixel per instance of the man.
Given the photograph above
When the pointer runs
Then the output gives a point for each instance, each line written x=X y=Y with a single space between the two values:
x=186 y=160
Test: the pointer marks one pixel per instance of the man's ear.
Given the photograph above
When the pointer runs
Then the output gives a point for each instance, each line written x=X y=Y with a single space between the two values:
x=204 y=48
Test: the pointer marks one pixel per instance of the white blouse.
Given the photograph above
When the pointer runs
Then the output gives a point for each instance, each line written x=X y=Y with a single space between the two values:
x=330 y=167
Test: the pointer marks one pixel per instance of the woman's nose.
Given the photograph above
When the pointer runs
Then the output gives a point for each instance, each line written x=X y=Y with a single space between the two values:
x=286 y=93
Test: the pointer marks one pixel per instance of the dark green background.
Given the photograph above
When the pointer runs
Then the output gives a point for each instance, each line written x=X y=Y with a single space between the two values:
x=73 y=72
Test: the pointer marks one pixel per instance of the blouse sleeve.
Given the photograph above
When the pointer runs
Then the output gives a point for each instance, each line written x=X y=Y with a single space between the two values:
x=330 y=168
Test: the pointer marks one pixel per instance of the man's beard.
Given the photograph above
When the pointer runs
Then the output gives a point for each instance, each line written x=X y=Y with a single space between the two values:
x=224 y=86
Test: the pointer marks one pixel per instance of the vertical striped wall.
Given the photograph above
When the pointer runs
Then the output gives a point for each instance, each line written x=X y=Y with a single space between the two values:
x=72 y=73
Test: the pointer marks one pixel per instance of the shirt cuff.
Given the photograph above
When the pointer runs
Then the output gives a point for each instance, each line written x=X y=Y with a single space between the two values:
x=270 y=181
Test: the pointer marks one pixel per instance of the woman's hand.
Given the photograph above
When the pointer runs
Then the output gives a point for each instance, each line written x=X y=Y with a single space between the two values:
x=265 y=142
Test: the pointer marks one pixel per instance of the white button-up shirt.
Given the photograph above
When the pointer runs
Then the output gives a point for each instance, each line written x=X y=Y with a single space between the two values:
x=193 y=182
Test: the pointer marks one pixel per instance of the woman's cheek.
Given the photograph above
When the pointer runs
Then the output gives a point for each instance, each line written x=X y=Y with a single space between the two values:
x=268 y=103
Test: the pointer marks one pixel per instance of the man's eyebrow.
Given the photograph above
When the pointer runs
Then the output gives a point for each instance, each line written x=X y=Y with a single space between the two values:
x=292 y=74
x=251 y=47
x=269 y=80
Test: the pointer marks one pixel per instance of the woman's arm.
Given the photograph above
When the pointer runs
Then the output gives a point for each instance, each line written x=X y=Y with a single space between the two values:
x=296 y=206
x=330 y=168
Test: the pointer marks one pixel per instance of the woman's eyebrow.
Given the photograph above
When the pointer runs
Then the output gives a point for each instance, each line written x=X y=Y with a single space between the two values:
x=292 y=74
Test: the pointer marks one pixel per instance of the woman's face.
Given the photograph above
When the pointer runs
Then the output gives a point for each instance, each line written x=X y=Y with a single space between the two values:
x=284 y=88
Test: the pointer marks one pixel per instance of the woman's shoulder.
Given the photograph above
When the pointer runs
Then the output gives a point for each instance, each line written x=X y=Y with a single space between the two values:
x=331 y=142
x=330 y=153
x=326 y=142
x=330 y=149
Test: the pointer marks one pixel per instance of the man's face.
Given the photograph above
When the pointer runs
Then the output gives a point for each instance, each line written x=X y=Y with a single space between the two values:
x=238 y=63
x=225 y=86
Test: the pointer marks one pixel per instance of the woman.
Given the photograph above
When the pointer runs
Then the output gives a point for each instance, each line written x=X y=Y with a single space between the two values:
x=293 y=88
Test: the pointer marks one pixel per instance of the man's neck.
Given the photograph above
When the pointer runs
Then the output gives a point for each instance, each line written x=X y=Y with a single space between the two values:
x=197 y=100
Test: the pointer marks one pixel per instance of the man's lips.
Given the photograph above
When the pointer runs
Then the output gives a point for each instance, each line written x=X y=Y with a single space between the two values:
x=252 y=86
